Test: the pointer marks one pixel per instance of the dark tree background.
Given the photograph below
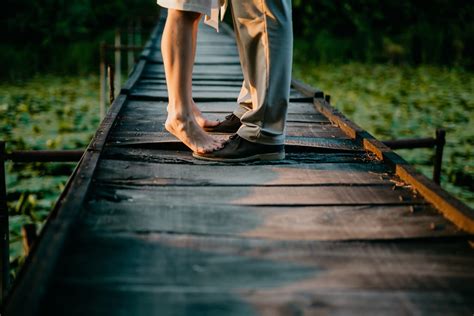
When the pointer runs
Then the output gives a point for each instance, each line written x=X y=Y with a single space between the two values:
x=63 y=35
x=415 y=31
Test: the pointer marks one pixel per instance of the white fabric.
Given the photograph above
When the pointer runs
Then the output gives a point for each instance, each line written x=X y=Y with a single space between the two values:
x=214 y=10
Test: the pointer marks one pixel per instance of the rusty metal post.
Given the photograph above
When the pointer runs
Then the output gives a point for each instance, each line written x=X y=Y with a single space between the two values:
x=103 y=81
x=438 y=160
x=110 y=71
x=4 y=228
x=328 y=98
x=130 y=53
x=118 y=60
x=29 y=235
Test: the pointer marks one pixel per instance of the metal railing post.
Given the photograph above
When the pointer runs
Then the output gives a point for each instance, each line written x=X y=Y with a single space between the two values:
x=4 y=228
x=118 y=60
x=103 y=81
x=438 y=159
x=29 y=235
x=110 y=72
x=130 y=53
x=327 y=97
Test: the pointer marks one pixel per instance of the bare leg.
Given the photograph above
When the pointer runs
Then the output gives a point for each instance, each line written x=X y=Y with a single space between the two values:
x=178 y=56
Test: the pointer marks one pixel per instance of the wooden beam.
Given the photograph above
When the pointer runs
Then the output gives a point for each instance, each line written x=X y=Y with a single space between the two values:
x=453 y=209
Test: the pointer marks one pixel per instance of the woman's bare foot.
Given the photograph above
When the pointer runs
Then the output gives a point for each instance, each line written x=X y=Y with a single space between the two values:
x=186 y=129
x=203 y=122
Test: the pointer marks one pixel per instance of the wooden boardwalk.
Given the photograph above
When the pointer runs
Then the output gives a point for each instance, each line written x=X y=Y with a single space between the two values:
x=142 y=228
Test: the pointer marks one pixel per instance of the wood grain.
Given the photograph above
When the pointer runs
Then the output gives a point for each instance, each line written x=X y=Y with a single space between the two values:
x=259 y=195
x=156 y=273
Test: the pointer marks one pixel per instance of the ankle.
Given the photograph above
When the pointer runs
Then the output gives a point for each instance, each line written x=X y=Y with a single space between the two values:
x=179 y=112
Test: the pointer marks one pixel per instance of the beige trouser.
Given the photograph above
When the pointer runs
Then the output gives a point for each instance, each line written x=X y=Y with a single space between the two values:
x=264 y=34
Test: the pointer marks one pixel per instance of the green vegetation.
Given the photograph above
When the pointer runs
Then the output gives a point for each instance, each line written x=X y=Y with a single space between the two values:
x=414 y=32
x=405 y=102
x=63 y=37
x=46 y=112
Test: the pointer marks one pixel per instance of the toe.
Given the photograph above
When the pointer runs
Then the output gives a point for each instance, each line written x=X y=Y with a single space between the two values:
x=201 y=150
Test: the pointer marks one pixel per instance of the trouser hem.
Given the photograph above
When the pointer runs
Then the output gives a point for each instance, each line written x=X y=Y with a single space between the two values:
x=255 y=135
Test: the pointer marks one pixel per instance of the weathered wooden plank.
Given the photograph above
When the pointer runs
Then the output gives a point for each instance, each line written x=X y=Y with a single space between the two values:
x=143 y=173
x=316 y=118
x=214 y=90
x=149 y=300
x=197 y=76
x=259 y=195
x=172 y=155
x=322 y=142
x=137 y=138
x=293 y=120
x=145 y=259
x=196 y=83
x=143 y=87
x=159 y=95
x=165 y=139
x=204 y=59
x=160 y=116
x=151 y=129
x=215 y=41
x=148 y=108
x=216 y=48
x=276 y=223
x=205 y=94
x=317 y=130
x=155 y=132
x=200 y=69
x=175 y=274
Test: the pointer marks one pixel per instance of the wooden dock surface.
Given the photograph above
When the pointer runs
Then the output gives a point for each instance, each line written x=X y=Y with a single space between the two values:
x=144 y=229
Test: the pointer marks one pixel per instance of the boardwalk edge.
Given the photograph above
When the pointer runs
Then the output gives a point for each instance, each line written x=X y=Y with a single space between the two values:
x=452 y=208
x=35 y=274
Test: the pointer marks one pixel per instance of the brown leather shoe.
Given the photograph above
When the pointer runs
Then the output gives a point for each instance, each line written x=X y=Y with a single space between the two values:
x=238 y=149
x=230 y=125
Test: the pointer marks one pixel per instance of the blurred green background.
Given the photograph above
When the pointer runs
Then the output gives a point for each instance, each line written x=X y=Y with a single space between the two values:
x=397 y=68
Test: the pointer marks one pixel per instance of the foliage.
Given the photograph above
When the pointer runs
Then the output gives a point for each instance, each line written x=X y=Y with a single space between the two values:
x=57 y=36
x=46 y=112
x=438 y=31
x=404 y=102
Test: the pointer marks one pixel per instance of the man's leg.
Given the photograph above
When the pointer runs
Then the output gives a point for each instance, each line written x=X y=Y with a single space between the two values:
x=244 y=101
x=231 y=123
x=265 y=39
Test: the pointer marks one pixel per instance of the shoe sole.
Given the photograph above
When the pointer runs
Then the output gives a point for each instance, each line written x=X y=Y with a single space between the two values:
x=220 y=133
x=263 y=157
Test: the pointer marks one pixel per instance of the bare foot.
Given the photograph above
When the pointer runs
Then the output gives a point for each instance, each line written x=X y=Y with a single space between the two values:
x=203 y=122
x=191 y=134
